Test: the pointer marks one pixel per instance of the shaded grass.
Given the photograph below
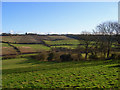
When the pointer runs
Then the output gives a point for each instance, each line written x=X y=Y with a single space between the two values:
x=27 y=55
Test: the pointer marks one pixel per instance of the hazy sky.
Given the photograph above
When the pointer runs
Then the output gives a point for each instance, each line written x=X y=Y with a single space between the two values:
x=56 y=17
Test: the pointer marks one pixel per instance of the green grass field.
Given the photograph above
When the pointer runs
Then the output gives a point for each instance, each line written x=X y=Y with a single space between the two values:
x=5 y=45
x=28 y=73
x=61 y=42
x=65 y=46
x=32 y=46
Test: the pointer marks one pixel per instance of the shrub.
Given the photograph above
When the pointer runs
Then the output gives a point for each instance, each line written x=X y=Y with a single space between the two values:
x=76 y=57
x=57 y=56
x=118 y=56
x=93 y=56
x=79 y=55
x=41 y=56
x=113 y=56
x=66 y=57
x=9 y=57
x=33 y=56
x=50 y=56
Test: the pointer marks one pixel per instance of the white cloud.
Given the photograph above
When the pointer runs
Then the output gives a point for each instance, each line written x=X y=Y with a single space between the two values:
x=11 y=31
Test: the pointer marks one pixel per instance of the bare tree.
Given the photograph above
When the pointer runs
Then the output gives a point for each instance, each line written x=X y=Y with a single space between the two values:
x=116 y=27
x=86 y=42
x=100 y=44
x=108 y=29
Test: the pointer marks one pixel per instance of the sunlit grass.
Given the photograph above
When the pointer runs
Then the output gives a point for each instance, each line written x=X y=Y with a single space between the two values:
x=33 y=46
x=59 y=42
x=27 y=73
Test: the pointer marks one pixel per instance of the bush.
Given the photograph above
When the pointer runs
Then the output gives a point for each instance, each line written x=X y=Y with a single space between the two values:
x=66 y=57
x=9 y=57
x=113 y=56
x=93 y=57
x=41 y=56
x=76 y=57
x=118 y=56
x=79 y=56
x=50 y=56
x=57 y=56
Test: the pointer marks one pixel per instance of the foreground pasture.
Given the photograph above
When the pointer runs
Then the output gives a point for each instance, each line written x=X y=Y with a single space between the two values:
x=28 y=73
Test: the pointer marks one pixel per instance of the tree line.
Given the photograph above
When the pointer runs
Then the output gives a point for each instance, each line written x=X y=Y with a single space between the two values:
x=104 y=36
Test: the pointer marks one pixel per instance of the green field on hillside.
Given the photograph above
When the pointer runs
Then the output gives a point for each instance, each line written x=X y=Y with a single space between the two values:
x=32 y=46
x=61 y=42
x=20 y=39
x=59 y=37
x=29 y=73
x=6 y=49
x=5 y=45
x=65 y=46
x=32 y=38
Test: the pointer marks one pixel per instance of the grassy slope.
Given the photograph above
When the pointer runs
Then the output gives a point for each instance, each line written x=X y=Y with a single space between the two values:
x=23 y=48
x=20 y=39
x=33 y=46
x=60 y=42
x=27 y=73
x=31 y=38
x=65 y=46
x=72 y=43
x=6 y=49
x=5 y=45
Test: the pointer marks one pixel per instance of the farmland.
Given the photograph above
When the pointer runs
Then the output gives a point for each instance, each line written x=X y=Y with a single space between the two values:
x=31 y=38
x=30 y=44
x=35 y=43
x=62 y=42
x=30 y=67
x=26 y=73
x=6 y=49
x=32 y=47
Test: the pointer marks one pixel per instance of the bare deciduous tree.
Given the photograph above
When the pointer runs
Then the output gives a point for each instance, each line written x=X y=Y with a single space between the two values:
x=86 y=42
x=108 y=29
x=116 y=27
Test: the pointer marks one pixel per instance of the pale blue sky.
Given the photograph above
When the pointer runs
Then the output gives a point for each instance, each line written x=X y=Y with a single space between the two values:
x=55 y=17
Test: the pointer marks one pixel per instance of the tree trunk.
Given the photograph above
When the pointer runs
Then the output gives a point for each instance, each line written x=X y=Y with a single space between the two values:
x=86 y=51
x=108 y=53
x=86 y=54
x=109 y=48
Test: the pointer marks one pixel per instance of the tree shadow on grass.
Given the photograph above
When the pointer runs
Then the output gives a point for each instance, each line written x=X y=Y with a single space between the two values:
x=46 y=66
x=84 y=63
x=116 y=66
x=35 y=61
x=30 y=60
